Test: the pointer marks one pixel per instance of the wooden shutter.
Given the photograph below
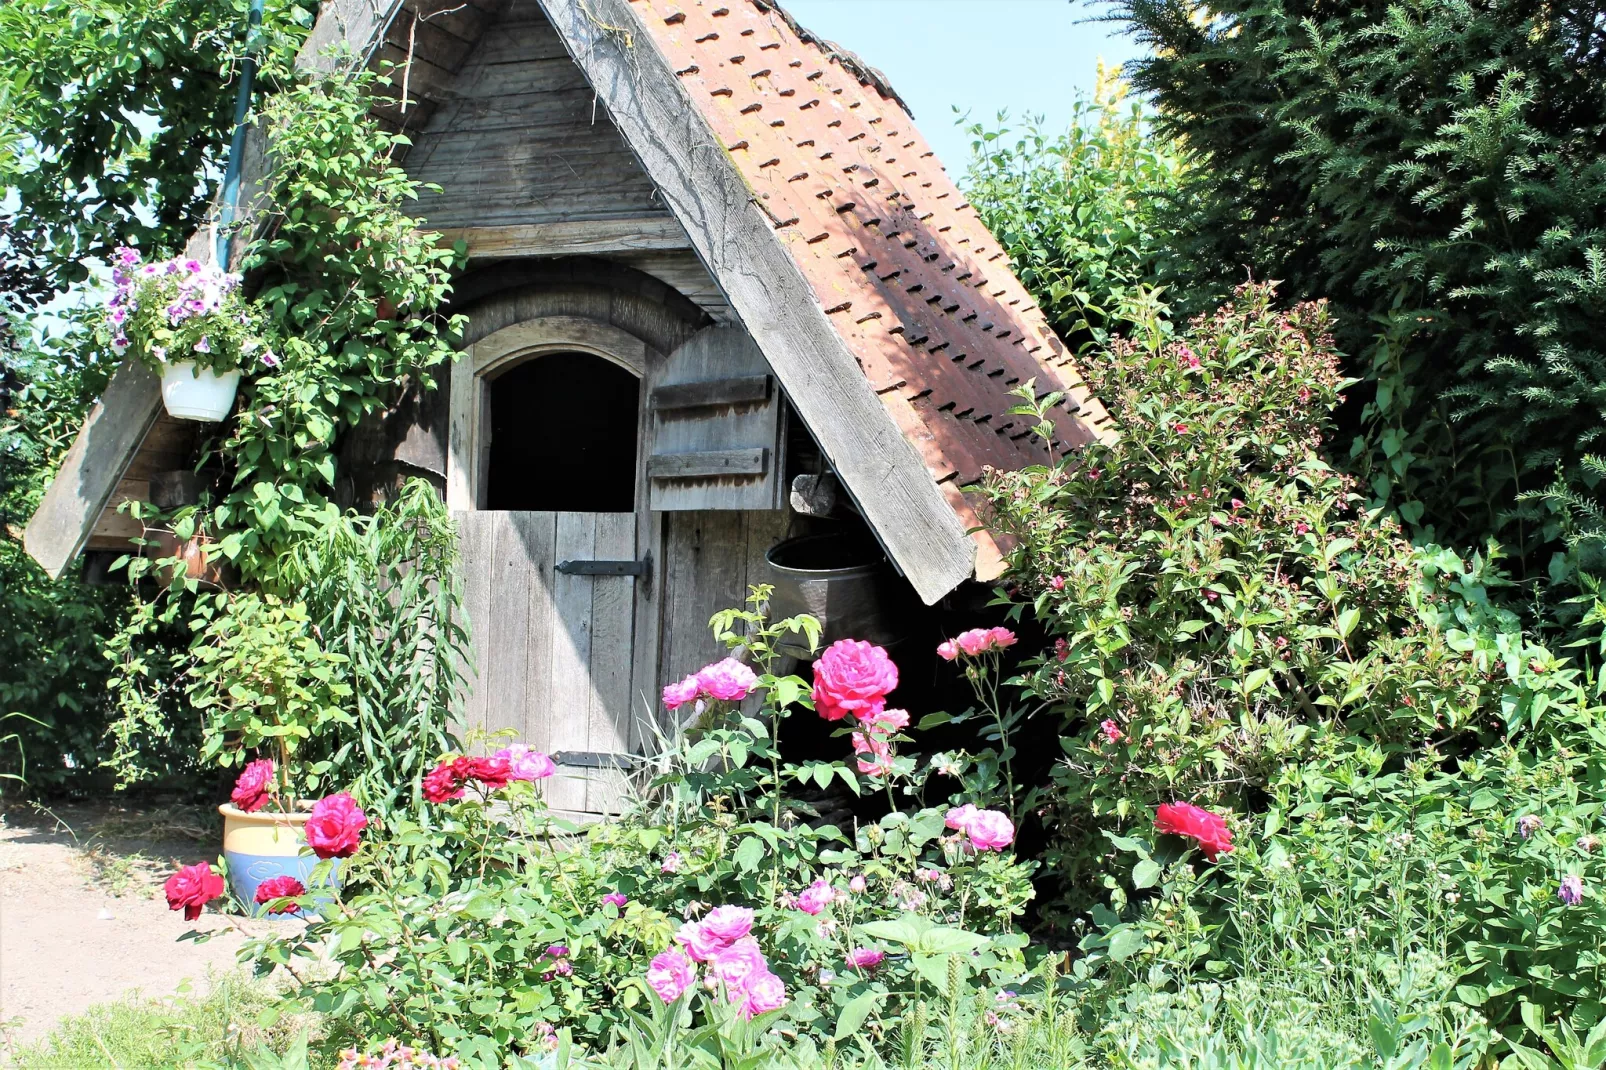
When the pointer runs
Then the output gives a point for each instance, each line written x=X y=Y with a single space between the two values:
x=716 y=426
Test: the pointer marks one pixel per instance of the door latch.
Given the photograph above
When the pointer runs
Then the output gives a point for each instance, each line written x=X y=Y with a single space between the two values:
x=639 y=569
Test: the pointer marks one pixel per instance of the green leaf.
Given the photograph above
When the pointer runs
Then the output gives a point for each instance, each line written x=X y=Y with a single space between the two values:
x=1126 y=942
x=854 y=1013
x=1146 y=874
x=749 y=853
x=944 y=940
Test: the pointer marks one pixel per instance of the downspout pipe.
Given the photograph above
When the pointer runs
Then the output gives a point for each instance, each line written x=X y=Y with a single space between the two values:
x=231 y=175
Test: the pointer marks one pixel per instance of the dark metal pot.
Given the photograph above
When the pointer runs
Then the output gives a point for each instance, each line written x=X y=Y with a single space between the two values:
x=844 y=581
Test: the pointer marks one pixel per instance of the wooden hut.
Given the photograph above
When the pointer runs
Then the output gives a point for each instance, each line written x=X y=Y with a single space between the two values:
x=711 y=258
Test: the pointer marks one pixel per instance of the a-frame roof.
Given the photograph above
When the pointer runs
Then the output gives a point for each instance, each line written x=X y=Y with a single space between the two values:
x=886 y=309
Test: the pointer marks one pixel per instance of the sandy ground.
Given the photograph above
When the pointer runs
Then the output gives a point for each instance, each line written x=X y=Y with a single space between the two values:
x=82 y=915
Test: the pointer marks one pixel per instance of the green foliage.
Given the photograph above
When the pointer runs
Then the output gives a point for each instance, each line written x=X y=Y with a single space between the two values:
x=1367 y=876
x=351 y=285
x=1435 y=168
x=113 y=115
x=52 y=670
x=1212 y=592
x=383 y=590
x=147 y=1034
x=1080 y=213
x=263 y=682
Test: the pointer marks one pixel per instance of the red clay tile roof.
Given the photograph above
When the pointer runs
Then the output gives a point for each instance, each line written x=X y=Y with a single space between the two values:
x=903 y=265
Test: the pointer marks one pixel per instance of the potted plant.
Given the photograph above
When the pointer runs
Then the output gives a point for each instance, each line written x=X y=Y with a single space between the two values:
x=186 y=321
x=265 y=688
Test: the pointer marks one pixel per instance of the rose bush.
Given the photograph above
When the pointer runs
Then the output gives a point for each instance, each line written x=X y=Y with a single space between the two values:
x=487 y=923
x=1211 y=589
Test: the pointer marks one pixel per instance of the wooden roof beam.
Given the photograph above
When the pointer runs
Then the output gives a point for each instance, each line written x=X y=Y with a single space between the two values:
x=738 y=244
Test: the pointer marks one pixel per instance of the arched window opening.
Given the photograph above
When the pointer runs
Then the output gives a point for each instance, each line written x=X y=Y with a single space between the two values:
x=563 y=436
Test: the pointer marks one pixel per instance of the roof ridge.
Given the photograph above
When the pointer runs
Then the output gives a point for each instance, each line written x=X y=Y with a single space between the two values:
x=850 y=61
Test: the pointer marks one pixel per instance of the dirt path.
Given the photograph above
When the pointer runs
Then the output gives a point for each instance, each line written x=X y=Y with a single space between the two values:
x=83 y=919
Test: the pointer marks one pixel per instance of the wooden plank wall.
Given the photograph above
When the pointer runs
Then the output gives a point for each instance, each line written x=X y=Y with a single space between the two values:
x=710 y=559
x=551 y=649
x=520 y=138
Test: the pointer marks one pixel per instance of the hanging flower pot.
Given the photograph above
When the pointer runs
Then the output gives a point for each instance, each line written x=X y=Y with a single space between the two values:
x=192 y=393
x=188 y=323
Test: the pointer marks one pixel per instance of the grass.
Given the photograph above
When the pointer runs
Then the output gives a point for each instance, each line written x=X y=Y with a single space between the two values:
x=186 y=1030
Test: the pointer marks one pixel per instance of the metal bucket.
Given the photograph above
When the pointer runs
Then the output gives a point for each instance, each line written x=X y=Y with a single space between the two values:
x=845 y=582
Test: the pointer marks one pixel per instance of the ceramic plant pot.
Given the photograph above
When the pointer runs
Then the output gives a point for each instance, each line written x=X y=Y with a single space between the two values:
x=262 y=845
x=198 y=395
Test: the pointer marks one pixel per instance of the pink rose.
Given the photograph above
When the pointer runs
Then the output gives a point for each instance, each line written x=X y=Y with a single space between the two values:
x=990 y=830
x=281 y=887
x=615 y=899
x=334 y=829
x=886 y=722
x=947 y=651
x=765 y=992
x=728 y=680
x=1057 y=583
x=728 y=924
x=1112 y=731
x=865 y=958
x=857 y=885
x=880 y=761
x=697 y=941
x=974 y=642
x=251 y=791
x=191 y=888
x=1001 y=638
x=736 y=964
x=670 y=975
x=816 y=897
x=671 y=863
x=526 y=763
x=852 y=677
x=959 y=817
x=677 y=695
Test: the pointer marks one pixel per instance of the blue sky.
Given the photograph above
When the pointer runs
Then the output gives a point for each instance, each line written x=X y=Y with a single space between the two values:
x=1027 y=56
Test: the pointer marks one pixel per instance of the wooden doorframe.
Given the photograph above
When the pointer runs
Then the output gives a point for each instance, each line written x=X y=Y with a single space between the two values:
x=467 y=456
x=469 y=418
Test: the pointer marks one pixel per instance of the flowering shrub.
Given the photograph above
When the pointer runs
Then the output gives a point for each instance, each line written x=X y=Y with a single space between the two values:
x=182 y=310
x=1211 y=590
x=486 y=924
x=1477 y=880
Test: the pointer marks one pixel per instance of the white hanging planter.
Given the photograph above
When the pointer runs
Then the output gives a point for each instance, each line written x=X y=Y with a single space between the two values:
x=204 y=395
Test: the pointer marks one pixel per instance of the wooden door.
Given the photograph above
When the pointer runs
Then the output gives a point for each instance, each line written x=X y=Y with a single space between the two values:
x=565 y=657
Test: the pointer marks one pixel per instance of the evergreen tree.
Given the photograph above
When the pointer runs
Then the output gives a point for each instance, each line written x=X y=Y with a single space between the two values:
x=1436 y=168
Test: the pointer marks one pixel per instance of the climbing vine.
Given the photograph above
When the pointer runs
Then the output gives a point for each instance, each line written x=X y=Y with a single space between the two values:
x=347 y=285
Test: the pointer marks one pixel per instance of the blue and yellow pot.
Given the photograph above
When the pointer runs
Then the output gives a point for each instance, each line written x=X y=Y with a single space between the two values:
x=262 y=845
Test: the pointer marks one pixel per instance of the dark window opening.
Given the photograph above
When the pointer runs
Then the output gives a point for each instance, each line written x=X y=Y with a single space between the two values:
x=563 y=436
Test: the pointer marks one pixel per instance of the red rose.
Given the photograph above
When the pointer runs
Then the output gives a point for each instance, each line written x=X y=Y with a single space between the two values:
x=492 y=772
x=1209 y=830
x=284 y=887
x=852 y=677
x=191 y=888
x=251 y=791
x=335 y=826
x=443 y=782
